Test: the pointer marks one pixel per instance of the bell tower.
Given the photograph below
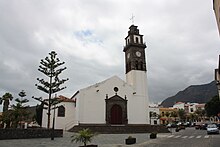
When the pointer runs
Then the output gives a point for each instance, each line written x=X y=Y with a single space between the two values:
x=134 y=50
x=135 y=61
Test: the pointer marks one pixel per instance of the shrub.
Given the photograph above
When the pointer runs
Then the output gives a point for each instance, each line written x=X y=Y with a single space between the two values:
x=84 y=136
x=153 y=135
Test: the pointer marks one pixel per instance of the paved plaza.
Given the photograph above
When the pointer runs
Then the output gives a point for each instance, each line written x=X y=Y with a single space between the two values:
x=102 y=140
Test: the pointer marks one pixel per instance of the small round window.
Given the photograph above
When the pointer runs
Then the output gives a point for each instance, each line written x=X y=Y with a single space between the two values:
x=116 y=89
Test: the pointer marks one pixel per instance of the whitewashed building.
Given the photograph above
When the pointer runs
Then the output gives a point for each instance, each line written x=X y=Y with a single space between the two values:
x=154 y=113
x=64 y=114
x=113 y=101
x=189 y=107
x=179 y=105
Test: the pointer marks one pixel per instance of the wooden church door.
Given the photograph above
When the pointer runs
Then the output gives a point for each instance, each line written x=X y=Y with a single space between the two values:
x=116 y=114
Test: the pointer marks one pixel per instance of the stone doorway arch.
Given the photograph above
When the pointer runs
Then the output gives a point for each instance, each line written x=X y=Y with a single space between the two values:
x=116 y=110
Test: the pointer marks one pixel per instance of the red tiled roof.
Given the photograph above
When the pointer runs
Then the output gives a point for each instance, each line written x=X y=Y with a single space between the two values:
x=65 y=99
x=200 y=105
x=179 y=103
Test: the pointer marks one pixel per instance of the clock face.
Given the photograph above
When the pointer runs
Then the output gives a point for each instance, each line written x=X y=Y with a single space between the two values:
x=128 y=55
x=138 y=54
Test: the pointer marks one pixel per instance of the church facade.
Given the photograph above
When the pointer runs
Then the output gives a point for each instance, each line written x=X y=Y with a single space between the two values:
x=112 y=101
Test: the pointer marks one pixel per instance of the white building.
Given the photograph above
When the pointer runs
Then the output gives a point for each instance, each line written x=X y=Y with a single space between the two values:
x=192 y=107
x=154 y=113
x=113 y=101
x=179 y=105
x=64 y=114
x=189 y=107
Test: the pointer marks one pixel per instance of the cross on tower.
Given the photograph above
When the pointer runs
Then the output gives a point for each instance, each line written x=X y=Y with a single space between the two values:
x=132 y=19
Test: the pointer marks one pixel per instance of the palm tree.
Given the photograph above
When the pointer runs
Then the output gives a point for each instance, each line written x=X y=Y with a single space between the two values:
x=5 y=99
x=182 y=114
x=167 y=114
x=174 y=114
x=84 y=136
x=200 y=113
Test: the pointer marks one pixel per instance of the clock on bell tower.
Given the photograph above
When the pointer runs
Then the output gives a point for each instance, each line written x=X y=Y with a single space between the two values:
x=134 y=50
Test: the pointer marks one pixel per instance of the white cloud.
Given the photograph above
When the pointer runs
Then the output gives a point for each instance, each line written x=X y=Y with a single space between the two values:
x=182 y=39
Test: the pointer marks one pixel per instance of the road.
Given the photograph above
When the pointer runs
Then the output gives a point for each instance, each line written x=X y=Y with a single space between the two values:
x=186 y=138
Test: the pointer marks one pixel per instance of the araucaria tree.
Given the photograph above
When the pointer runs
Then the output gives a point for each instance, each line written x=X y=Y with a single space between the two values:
x=50 y=67
x=20 y=112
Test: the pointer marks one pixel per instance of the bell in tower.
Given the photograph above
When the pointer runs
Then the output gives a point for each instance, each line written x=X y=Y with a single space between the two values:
x=134 y=50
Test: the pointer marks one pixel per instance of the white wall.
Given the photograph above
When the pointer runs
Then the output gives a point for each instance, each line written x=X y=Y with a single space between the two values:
x=45 y=118
x=91 y=100
x=64 y=123
x=91 y=107
x=140 y=101
x=138 y=79
x=138 y=110
x=68 y=121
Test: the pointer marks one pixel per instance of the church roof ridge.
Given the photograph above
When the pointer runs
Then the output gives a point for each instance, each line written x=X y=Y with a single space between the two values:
x=101 y=82
x=97 y=84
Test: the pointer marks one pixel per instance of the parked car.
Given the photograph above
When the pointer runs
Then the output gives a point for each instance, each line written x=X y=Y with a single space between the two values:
x=171 y=125
x=180 y=126
x=212 y=129
x=218 y=125
x=197 y=125
x=203 y=126
x=179 y=123
x=168 y=125
x=187 y=124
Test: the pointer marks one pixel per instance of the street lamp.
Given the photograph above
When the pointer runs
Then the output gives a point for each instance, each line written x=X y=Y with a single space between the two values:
x=52 y=133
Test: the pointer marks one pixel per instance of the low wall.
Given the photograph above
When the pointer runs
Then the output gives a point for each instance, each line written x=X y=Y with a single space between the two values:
x=10 y=133
x=123 y=129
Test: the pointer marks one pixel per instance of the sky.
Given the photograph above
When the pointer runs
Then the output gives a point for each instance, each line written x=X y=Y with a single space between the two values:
x=88 y=35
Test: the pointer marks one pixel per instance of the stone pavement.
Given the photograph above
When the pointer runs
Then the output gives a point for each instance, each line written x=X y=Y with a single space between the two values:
x=102 y=140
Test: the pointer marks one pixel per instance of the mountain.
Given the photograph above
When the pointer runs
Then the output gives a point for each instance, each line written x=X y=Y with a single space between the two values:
x=194 y=94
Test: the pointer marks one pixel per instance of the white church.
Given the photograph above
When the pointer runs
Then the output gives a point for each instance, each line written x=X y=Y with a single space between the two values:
x=112 y=101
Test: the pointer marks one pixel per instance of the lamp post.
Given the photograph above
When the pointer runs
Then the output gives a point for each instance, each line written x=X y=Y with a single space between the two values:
x=52 y=133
